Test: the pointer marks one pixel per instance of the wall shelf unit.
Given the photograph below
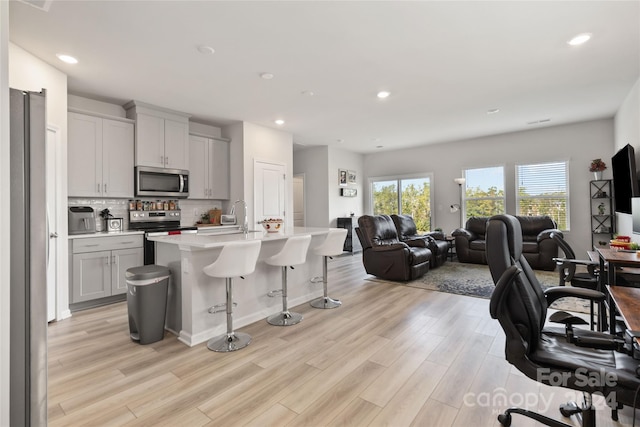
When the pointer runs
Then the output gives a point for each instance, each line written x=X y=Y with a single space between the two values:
x=603 y=219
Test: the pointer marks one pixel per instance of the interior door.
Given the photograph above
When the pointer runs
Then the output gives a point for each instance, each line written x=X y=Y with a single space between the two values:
x=269 y=191
x=298 y=201
x=52 y=220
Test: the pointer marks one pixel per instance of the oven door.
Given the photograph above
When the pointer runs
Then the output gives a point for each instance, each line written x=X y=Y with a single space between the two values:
x=162 y=182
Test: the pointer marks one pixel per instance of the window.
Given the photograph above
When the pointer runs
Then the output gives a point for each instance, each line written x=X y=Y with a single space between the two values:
x=484 y=192
x=543 y=189
x=409 y=196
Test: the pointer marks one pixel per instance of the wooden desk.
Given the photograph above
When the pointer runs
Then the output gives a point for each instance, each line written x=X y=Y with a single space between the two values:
x=627 y=300
x=610 y=260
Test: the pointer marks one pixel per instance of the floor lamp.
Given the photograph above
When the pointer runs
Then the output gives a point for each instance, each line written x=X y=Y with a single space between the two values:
x=460 y=182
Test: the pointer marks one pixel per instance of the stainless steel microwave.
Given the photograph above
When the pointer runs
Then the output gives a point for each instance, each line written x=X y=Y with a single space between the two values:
x=162 y=182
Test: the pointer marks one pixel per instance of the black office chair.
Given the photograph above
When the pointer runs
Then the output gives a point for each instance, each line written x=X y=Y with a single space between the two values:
x=552 y=355
x=579 y=279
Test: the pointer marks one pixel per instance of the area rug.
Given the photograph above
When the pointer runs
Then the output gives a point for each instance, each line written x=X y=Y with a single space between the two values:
x=475 y=280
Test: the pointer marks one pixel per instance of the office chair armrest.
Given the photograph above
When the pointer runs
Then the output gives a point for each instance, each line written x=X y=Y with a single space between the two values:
x=547 y=234
x=557 y=292
x=561 y=261
x=605 y=342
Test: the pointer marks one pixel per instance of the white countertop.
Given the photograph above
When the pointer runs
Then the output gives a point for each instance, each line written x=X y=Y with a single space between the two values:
x=105 y=234
x=207 y=241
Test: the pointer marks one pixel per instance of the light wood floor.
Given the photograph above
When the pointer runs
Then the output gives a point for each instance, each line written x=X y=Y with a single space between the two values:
x=391 y=355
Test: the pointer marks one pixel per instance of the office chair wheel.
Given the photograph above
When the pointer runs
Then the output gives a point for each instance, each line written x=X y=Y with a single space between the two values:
x=504 y=419
x=570 y=408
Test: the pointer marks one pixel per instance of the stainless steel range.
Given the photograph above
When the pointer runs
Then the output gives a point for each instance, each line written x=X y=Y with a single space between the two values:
x=157 y=223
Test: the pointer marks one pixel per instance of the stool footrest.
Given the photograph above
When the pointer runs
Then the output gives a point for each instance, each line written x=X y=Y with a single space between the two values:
x=219 y=308
x=274 y=293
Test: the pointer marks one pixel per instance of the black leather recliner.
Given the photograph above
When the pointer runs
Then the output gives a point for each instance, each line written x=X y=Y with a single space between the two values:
x=384 y=255
x=538 y=246
x=408 y=233
x=584 y=360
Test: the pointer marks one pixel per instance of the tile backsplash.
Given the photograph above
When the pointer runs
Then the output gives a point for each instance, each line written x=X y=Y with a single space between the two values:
x=119 y=208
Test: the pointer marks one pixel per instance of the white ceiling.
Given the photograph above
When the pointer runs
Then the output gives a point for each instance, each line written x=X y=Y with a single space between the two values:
x=445 y=63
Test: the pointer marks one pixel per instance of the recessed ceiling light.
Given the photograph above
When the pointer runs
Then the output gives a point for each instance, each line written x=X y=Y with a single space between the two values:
x=579 y=39
x=307 y=93
x=279 y=122
x=383 y=94
x=66 y=58
x=206 y=50
x=493 y=111
x=267 y=76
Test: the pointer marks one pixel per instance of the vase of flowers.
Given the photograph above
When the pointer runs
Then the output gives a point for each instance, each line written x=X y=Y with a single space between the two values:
x=597 y=166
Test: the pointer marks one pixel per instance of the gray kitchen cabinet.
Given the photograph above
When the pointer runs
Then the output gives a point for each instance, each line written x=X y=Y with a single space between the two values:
x=100 y=156
x=208 y=168
x=162 y=136
x=98 y=265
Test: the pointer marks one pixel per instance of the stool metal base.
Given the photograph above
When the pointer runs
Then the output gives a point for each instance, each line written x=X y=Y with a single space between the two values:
x=286 y=318
x=325 y=302
x=229 y=342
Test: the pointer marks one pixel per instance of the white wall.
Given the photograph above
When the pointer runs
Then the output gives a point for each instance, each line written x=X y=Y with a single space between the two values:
x=342 y=206
x=251 y=142
x=627 y=131
x=235 y=133
x=4 y=215
x=578 y=143
x=313 y=162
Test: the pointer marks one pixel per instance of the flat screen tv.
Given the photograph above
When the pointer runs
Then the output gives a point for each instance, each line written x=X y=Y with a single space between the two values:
x=625 y=178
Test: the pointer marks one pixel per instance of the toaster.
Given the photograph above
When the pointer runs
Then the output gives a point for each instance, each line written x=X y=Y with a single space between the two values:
x=227 y=220
x=81 y=220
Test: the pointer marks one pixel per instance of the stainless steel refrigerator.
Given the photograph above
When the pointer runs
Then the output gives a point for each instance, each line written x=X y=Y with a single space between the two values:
x=28 y=259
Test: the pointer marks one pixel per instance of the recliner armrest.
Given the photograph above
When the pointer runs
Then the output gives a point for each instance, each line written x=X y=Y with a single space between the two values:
x=546 y=234
x=389 y=248
x=436 y=235
x=557 y=292
x=469 y=235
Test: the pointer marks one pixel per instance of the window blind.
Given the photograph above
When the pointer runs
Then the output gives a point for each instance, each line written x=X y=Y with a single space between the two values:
x=543 y=190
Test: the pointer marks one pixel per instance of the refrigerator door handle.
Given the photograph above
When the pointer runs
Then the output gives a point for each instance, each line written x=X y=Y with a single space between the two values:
x=48 y=240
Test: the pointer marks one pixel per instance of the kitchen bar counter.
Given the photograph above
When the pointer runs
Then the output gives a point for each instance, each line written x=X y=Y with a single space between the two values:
x=105 y=234
x=192 y=293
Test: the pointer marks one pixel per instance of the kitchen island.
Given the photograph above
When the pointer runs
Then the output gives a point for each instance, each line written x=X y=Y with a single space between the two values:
x=192 y=293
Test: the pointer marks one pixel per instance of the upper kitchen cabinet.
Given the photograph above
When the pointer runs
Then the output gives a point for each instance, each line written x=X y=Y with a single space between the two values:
x=162 y=136
x=100 y=156
x=209 y=168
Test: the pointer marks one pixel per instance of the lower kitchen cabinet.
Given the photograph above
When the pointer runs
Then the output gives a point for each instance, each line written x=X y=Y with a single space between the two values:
x=98 y=265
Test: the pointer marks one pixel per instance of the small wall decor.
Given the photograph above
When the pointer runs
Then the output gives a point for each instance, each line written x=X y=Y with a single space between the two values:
x=351 y=177
x=342 y=177
x=348 y=192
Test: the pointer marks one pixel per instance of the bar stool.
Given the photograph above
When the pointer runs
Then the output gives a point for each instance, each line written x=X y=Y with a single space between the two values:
x=293 y=253
x=331 y=246
x=235 y=259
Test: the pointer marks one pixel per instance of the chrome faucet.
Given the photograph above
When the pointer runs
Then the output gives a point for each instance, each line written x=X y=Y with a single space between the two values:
x=245 y=225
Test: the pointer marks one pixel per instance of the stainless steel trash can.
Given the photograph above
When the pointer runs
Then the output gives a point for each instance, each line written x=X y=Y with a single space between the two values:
x=147 y=288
